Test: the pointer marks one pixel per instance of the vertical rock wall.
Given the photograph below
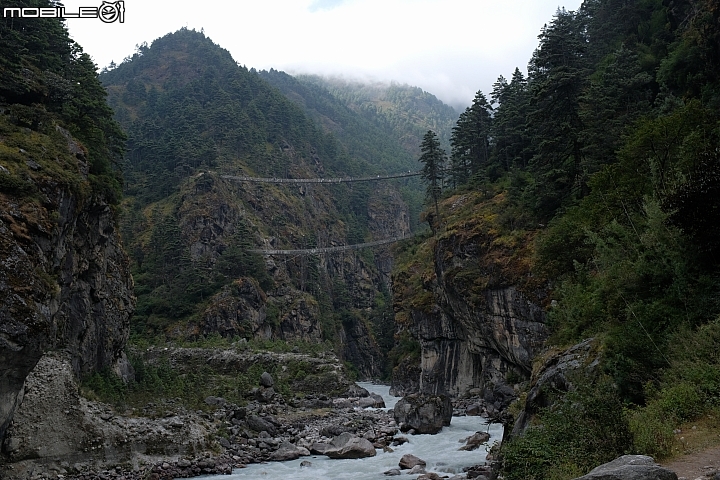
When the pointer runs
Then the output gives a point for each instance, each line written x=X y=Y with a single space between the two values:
x=65 y=282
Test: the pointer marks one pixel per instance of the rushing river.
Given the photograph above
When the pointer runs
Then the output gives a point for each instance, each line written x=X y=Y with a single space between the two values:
x=440 y=451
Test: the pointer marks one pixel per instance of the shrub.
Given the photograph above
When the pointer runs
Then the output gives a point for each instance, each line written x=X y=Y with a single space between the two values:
x=586 y=428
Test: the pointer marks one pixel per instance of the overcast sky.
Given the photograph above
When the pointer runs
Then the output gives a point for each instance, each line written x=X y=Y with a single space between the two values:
x=450 y=48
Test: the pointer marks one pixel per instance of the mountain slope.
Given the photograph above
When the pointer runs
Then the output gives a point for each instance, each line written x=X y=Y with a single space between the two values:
x=193 y=114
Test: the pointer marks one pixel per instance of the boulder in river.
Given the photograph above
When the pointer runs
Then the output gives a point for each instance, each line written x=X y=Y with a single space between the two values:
x=423 y=413
x=630 y=467
x=347 y=445
x=409 y=461
x=474 y=441
x=288 y=451
x=373 y=400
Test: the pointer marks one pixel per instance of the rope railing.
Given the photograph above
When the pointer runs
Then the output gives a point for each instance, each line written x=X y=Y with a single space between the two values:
x=242 y=178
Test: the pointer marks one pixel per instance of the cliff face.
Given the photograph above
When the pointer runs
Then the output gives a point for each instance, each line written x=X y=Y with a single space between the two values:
x=474 y=307
x=64 y=277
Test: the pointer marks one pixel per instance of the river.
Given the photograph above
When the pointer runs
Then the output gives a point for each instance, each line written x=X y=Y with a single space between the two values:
x=440 y=451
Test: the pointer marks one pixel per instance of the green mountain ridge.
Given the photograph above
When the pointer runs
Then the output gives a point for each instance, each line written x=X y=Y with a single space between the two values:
x=192 y=114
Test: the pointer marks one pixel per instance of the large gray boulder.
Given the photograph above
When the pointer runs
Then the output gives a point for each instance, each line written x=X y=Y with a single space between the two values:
x=347 y=445
x=630 y=467
x=423 y=413
x=288 y=451
x=259 y=424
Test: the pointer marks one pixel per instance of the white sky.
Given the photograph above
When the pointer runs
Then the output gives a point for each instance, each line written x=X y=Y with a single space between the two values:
x=450 y=48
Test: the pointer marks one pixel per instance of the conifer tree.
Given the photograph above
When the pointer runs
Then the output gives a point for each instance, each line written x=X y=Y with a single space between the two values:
x=433 y=158
x=471 y=141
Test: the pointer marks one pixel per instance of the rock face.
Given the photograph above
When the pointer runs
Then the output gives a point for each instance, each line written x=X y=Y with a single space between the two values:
x=64 y=282
x=464 y=349
x=214 y=212
x=475 y=309
x=553 y=377
x=55 y=422
x=630 y=467
x=423 y=413
x=237 y=310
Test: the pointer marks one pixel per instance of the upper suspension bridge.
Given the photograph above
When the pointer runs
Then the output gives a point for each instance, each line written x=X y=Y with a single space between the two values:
x=241 y=178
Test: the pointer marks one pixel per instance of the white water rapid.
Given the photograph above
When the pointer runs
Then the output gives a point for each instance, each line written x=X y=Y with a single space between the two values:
x=440 y=451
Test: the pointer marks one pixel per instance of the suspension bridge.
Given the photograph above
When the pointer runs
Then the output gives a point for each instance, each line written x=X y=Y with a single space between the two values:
x=241 y=178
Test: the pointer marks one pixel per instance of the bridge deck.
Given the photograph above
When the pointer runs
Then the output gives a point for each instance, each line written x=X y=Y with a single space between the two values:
x=241 y=178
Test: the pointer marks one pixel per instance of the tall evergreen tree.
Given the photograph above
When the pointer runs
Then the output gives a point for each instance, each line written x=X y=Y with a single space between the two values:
x=511 y=143
x=557 y=74
x=433 y=159
x=470 y=141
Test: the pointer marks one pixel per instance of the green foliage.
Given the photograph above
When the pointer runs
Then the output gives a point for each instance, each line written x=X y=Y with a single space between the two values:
x=687 y=389
x=433 y=171
x=471 y=142
x=48 y=80
x=585 y=429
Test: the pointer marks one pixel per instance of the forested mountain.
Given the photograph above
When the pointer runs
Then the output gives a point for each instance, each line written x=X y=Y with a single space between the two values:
x=403 y=112
x=590 y=189
x=364 y=134
x=192 y=114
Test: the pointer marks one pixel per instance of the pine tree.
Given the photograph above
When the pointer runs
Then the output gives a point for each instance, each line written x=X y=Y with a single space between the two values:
x=471 y=141
x=433 y=158
x=511 y=142
x=557 y=74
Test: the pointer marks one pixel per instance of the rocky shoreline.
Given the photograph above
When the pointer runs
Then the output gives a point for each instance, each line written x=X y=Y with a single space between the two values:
x=59 y=433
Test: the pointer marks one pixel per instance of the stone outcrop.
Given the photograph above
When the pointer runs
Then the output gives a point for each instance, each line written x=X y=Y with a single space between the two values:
x=554 y=376
x=630 y=467
x=65 y=282
x=423 y=413
x=238 y=310
x=475 y=308
x=55 y=423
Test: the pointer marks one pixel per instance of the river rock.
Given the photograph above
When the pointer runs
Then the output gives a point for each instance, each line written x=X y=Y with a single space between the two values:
x=630 y=467
x=430 y=476
x=392 y=472
x=265 y=395
x=266 y=380
x=417 y=470
x=318 y=448
x=356 y=390
x=409 y=461
x=261 y=425
x=474 y=441
x=423 y=413
x=347 y=445
x=373 y=400
x=288 y=451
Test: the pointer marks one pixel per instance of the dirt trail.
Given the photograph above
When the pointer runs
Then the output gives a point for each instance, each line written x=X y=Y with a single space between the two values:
x=703 y=465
